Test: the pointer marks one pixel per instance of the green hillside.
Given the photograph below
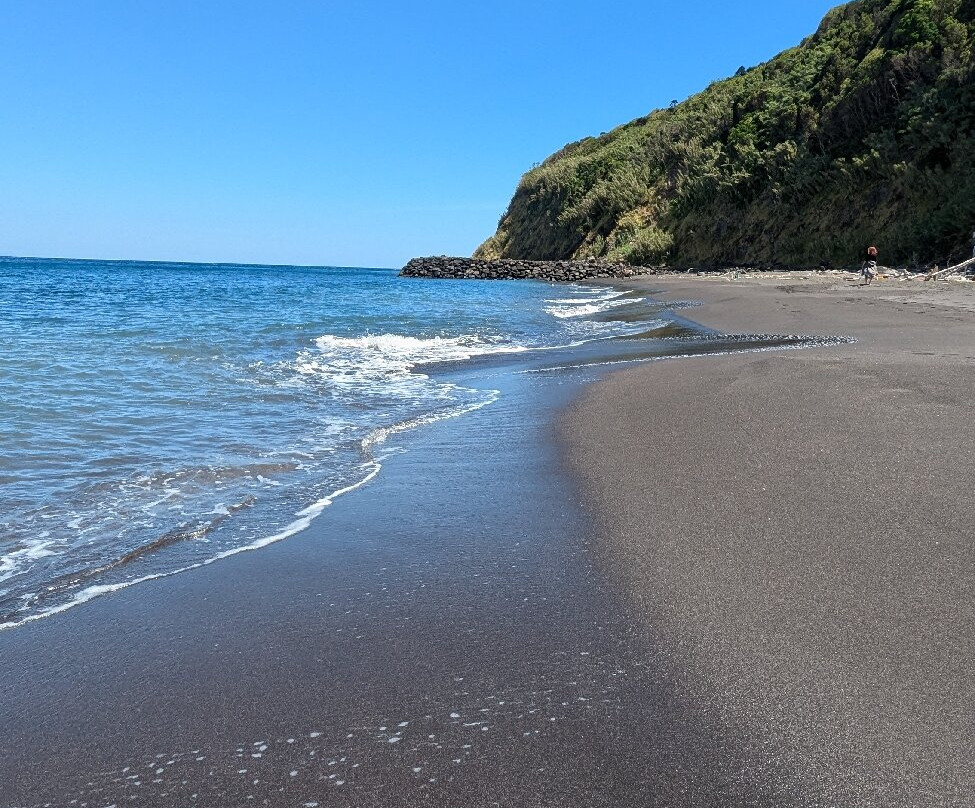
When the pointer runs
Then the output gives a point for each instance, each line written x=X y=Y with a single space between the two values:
x=863 y=134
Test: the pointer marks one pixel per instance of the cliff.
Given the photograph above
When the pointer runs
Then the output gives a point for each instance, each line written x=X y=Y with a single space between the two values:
x=862 y=134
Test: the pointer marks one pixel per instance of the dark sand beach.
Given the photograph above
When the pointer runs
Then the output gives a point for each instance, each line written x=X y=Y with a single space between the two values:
x=437 y=638
x=766 y=600
x=796 y=531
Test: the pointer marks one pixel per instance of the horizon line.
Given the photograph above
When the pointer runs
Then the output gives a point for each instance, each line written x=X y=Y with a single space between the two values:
x=189 y=263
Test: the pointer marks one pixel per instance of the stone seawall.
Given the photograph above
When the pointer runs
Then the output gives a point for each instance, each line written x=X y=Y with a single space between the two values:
x=507 y=269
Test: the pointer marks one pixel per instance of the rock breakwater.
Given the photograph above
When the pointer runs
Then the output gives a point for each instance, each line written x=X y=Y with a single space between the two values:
x=512 y=269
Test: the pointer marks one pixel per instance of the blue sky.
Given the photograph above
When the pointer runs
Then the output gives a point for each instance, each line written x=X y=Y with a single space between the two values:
x=320 y=132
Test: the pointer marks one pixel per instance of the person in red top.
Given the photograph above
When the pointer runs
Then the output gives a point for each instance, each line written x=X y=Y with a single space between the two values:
x=869 y=268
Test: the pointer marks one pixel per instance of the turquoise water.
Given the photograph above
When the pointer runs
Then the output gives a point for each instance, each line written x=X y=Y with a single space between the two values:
x=159 y=416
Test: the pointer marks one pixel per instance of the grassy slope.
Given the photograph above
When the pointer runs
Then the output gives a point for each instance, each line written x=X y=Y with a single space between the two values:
x=864 y=133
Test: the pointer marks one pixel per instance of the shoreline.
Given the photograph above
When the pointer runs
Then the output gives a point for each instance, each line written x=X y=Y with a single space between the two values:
x=460 y=632
x=439 y=639
x=795 y=532
x=592 y=269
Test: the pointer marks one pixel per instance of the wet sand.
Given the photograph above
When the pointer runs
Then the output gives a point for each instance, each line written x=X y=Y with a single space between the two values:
x=438 y=638
x=796 y=531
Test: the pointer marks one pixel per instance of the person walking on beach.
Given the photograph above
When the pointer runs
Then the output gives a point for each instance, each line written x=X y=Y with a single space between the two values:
x=973 y=243
x=869 y=268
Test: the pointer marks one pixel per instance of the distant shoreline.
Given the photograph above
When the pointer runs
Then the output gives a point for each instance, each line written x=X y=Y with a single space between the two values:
x=574 y=270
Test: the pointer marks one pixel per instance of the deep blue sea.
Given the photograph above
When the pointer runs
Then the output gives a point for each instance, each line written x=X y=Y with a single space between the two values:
x=160 y=416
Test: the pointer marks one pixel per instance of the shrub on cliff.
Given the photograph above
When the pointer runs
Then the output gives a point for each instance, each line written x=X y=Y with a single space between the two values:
x=863 y=133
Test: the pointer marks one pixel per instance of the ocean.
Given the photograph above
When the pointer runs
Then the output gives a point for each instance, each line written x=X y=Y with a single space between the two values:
x=157 y=417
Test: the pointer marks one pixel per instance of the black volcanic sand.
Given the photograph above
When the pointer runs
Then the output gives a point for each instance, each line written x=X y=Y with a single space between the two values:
x=437 y=638
x=795 y=532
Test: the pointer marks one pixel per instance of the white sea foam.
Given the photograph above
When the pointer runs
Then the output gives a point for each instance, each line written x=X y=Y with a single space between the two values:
x=378 y=367
x=304 y=517
x=396 y=349
x=15 y=561
x=585 y=308
x=360 y=360
x=589 y=297
x=382 y=434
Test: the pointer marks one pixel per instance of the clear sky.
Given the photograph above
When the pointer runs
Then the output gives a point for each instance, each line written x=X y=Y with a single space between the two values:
x=325 y=132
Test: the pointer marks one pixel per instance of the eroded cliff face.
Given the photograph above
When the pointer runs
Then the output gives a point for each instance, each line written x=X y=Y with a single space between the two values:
x=862 y=134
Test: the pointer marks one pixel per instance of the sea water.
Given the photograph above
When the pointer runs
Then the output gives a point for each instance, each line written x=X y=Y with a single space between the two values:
x=155 y=417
